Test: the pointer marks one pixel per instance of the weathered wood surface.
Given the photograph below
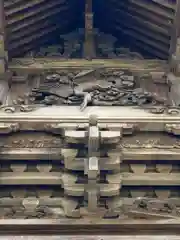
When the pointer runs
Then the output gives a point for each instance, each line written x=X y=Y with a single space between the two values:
x=30 y=64
x=92 y=237
x=146 y=179
x=89 y=226
x=105 y=114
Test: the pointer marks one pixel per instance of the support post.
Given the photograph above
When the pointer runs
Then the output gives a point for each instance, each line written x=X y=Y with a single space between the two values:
x=89 y=47
x=92 y=165
x=2 y=39
x=174 y=52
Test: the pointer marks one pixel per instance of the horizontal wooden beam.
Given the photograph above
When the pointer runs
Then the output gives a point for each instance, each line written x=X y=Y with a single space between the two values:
x=39 y=64
x=144 y=120
x=68 y=181
x=89 y=225
x=55 y=154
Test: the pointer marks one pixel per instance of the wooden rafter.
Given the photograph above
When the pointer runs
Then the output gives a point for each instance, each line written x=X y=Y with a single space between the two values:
x=2 y=37
x=89 y=51
x=176 y=29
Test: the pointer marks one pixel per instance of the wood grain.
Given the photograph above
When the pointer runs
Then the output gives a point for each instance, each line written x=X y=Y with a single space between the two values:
x=88 y=227
x=86 y=237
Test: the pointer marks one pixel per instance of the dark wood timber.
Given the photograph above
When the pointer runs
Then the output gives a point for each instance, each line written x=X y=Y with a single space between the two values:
x=175 y=34
x=89 y=50
x=2 y=37
x=88 y=237
x=81 y=227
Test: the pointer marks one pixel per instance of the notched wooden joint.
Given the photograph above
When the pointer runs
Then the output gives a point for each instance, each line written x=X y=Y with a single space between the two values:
x=69 y=153
x=110 y=137
x=75 y=136
x=93 y=168
x=54 y=128
x=6 y=128
x=30 y=204
x=122 y=127
x=159 y=77
x=172 y=128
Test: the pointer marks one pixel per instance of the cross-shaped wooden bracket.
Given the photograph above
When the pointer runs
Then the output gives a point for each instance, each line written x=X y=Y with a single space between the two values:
x=94 y=137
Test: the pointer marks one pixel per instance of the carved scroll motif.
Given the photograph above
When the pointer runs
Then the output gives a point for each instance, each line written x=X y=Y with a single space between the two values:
x=108 y=88
x=154 y=208
x=32 y=207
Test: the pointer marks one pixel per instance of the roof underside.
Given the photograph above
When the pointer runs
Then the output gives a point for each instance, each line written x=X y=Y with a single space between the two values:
x=141 y=25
